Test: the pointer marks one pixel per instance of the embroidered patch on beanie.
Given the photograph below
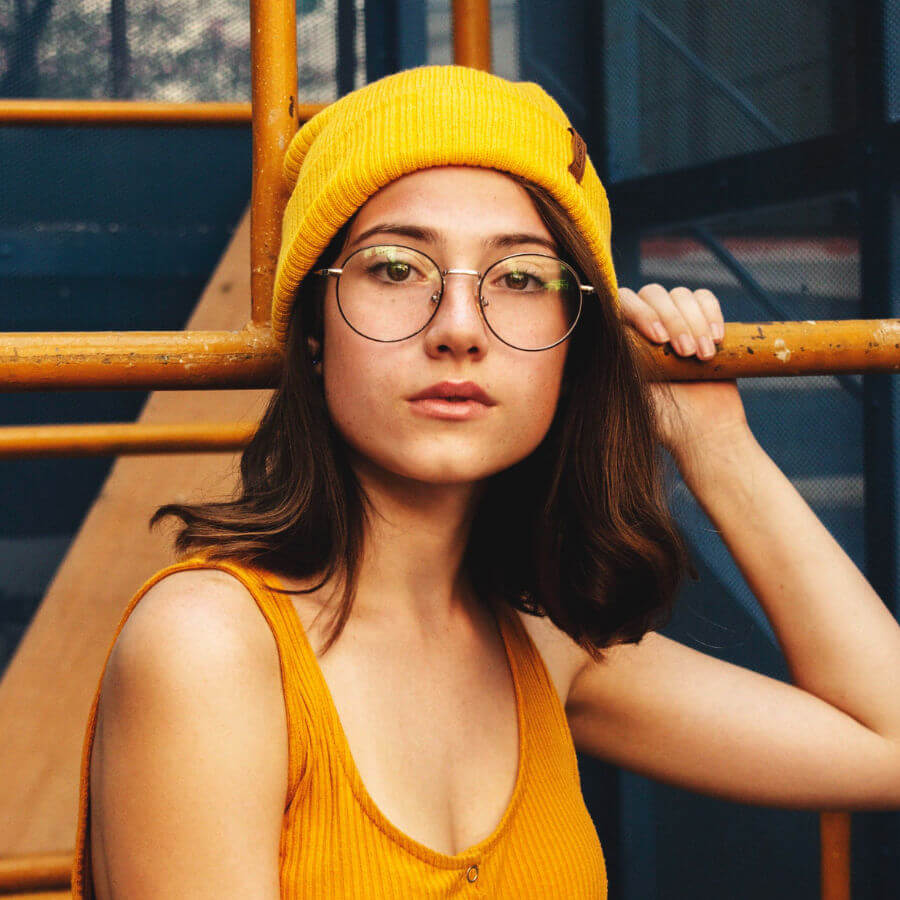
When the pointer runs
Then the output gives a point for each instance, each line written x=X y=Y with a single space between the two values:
x=579 y=155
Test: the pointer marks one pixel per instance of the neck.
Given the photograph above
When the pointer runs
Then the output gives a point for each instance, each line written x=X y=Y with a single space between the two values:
x=415 y=539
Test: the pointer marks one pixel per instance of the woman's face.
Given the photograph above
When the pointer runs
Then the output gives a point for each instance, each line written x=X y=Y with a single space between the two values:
x=368 y=384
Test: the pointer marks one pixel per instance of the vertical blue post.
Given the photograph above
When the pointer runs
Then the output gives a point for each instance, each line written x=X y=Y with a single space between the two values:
x=396 y=36
x=620 y=126
x=637 y=795
x=345 y=67
x=621 y=89
x=877 y=835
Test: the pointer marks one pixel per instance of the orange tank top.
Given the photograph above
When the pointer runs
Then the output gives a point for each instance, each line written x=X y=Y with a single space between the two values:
x=335 y=841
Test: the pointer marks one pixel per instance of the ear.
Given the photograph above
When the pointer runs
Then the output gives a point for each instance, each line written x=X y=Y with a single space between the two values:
x=315 y=347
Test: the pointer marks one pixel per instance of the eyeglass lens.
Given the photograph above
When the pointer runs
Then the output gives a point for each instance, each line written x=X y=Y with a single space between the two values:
x=389 y=293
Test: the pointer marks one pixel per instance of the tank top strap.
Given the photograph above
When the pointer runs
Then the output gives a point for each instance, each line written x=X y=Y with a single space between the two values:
x=544 y=712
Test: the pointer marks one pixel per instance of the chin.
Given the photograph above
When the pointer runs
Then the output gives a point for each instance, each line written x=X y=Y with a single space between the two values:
x=449 y=472
x=435 y=467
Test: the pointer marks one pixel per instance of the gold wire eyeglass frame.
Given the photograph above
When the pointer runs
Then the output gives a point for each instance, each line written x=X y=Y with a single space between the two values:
x=582 y=290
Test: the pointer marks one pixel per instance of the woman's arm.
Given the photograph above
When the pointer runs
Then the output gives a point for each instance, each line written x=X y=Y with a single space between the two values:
x=189 y=763
x=840 y=641
x=830 y=740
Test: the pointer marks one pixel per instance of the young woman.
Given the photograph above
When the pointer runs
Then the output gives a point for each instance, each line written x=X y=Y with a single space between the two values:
x=450 y=553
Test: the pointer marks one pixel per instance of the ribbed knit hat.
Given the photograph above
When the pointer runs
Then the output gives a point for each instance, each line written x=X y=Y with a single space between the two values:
x=419 y=118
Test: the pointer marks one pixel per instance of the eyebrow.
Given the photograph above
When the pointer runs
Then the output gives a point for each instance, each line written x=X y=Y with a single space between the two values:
x=429 y=235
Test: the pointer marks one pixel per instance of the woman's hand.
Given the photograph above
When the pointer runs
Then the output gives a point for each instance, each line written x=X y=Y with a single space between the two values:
x=691 y=414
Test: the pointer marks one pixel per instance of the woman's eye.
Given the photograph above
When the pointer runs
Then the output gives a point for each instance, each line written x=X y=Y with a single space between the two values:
x=397 y=271
x=517 y=281
x=393 y=271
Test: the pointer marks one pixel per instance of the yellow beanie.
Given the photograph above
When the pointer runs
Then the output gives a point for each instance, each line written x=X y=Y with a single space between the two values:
x=419 y=118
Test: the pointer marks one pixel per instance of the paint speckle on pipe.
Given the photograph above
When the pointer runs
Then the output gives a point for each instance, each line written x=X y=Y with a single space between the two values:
x=887 y=331
x=781 y=351
x=810 y=321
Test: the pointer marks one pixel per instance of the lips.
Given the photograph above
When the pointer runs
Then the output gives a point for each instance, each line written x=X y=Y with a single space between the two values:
x=455 y=390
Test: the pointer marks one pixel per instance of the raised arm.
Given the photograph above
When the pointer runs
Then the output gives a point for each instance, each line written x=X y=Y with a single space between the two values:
x=189 y=764
x=830 y=740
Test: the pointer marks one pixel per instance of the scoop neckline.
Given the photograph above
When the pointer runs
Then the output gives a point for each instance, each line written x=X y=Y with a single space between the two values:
x=360 y=791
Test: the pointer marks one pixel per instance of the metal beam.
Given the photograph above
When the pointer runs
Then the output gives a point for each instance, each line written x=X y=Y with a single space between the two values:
x=273 y=62
x=396 y=36
x=472 y=33
x=876 y=836
x=148 y=360
x=805 y=170
x=620 y=79
x=132 y=112
x=121 y=438
x=31 y=361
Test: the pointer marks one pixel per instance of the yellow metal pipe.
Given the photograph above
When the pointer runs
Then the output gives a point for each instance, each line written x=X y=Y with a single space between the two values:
x=834 y=834
x=150 y=360
x=250 y=358
x=755 y=349
x=132 y=112
x=472 y=33
x=35 y=872
x=273 y=60
x=117 y=439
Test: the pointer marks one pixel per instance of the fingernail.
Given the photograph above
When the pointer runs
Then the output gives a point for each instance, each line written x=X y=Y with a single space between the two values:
x=707 y=347
x=686 y=344
x=659 y=332
x=718 y=330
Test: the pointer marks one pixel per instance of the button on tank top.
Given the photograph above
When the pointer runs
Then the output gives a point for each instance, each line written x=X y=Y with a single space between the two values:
x=335 y=841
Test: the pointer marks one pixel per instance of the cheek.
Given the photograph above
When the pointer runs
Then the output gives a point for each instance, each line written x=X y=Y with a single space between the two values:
x=358 y=386
x=527 y=420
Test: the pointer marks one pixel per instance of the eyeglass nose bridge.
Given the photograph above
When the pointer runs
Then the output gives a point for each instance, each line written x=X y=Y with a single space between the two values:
x=475 y=272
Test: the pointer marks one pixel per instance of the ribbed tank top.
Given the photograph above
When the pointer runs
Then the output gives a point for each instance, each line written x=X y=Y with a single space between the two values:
x=336 y=842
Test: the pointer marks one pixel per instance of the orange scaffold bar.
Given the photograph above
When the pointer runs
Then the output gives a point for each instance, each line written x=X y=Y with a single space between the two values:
x=472 y=33
x=133 y=112
x=32 y=361
x=273 y=56
x=119 y=439
x=151 y=360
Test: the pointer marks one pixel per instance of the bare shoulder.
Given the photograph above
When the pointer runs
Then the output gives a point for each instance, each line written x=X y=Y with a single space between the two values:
x=207 y=605
x=562 y=656
x=192 y=625
x=189 y=767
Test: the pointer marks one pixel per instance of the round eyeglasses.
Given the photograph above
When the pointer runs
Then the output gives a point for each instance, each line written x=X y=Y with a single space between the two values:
x=389 y=293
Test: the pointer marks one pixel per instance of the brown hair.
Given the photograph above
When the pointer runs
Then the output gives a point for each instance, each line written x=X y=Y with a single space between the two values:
x=579 y=530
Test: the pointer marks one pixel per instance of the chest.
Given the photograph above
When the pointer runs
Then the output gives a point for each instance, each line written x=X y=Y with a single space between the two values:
x=432 y=728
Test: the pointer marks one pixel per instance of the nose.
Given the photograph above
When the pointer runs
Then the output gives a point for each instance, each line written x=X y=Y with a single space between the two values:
x=458 y=326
